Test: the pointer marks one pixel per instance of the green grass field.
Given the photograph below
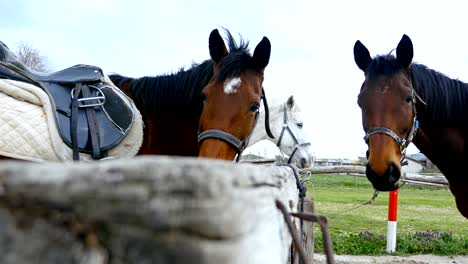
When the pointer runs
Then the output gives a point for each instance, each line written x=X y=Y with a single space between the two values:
x=363 y=230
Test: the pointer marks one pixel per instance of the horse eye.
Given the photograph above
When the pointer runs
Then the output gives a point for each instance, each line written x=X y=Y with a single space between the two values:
x=300 y=125
x=254 y=107
x=409 y=99
x=203 y=97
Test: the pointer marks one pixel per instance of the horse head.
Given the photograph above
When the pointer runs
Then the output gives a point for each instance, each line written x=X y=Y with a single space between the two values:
x=286 y=123
x=388 y=103
x=232 y=97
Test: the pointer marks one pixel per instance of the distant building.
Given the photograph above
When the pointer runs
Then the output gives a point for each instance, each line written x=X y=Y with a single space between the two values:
x=416 y=163
x=335 y=162
x=414 y=166
x=328 y=162
x=421 y=158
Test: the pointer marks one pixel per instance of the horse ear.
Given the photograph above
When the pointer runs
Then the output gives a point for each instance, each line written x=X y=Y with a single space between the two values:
x=290 y=102
x=261 y=55
x=217 y=47
x=361 y=56
x=404 y=51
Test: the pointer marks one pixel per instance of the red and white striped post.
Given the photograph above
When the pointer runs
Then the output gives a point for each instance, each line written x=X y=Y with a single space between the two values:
x=392 y=220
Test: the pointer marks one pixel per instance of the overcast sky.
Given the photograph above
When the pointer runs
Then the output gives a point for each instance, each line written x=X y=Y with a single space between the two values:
x=312 y=45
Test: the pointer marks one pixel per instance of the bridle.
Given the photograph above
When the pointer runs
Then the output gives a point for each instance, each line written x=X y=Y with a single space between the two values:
x=232 y=140
x=286 y=128
x=403 y=143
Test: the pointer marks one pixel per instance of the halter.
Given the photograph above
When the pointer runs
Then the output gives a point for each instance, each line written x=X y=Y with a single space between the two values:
x=403 y=143
x=232 y=140
x=288 y=129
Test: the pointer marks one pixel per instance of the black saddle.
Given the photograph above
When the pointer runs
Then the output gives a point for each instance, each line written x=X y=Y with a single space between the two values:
x=90 y=115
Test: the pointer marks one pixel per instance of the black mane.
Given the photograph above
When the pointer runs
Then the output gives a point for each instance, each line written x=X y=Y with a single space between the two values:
x=183 y=90
x=2 y=52
x=446 y=99
x=236 y=61
x=178 y=91
x=383 y=65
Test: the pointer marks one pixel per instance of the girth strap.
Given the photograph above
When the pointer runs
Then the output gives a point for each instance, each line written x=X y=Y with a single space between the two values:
x=74 y=122
x=90 y=112
x=92 y=124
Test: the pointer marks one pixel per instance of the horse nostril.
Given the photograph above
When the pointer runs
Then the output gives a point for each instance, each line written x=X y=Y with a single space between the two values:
x=303 y=162
x=393 y=173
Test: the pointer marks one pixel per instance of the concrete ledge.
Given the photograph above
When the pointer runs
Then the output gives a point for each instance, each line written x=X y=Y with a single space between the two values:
x=152 y=209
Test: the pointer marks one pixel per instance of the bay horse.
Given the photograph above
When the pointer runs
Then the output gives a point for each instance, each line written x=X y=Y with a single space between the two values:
x=208 y=110
x=286 y=124
x=405 y=102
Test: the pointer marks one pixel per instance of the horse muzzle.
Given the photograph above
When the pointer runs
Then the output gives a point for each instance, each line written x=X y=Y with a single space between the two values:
x=389 y=181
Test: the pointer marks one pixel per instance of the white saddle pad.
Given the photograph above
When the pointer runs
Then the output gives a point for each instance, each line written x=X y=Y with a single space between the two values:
x=28 y=130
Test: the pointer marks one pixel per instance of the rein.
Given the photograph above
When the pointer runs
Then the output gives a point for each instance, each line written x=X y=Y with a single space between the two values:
x=370 y=201
x=267 y=115
x=232 y=140
x=286 y=128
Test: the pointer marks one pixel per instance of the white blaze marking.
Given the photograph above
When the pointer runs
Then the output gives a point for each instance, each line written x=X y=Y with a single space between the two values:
x=230 y=86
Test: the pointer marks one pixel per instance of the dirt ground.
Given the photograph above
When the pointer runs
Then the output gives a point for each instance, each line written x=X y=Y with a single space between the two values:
x=416 y=259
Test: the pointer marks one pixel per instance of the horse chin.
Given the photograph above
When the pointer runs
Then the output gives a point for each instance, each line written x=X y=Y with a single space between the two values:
x=390 y=181
x=301 y=162
x=217 y=149
x=303 y=158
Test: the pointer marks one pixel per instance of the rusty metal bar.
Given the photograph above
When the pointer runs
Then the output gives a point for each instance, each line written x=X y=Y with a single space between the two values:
x=323 y=221
x=294 y=235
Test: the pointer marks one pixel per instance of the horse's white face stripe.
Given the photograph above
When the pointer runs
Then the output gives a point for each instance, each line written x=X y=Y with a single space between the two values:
x=231 y=85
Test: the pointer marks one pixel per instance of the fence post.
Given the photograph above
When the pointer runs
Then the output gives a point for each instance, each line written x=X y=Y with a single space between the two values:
x=308 y=232
x=392 y=220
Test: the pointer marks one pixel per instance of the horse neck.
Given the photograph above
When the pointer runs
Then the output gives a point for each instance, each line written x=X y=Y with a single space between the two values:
x=171 y=106
x=446 y=149
x=443 y=146
x=442 y=119
x=442 y=132
x=173 y=92
x=445 y=98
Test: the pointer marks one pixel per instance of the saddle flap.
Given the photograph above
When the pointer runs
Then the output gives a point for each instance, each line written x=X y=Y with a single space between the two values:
x=114 y=117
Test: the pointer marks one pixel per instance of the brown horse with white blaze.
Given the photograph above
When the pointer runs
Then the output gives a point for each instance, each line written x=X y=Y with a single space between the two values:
x=404 y=102
x=233 y=97
x=216 y=101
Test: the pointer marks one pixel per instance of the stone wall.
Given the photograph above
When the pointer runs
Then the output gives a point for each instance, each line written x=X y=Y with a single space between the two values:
x=144 y=210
